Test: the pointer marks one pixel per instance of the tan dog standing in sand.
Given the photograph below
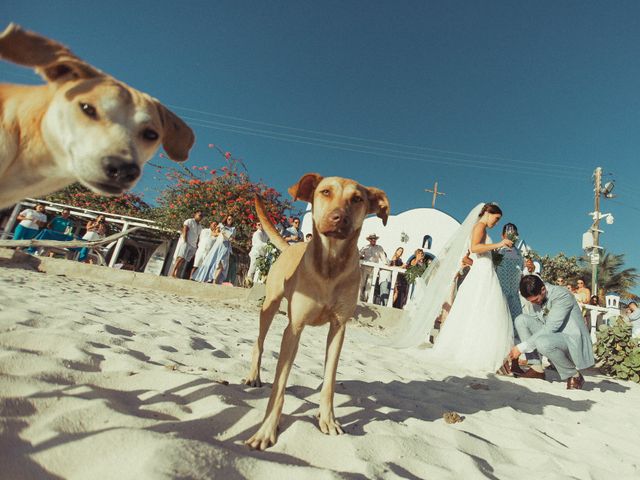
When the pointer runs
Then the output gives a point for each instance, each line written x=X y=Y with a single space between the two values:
x=83 y=125
x=320 y=280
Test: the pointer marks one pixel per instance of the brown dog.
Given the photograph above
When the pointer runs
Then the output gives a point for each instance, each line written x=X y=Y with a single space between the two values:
x=320 y=280
x=83 y=125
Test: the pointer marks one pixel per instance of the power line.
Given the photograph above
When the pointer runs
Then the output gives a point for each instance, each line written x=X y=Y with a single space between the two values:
x=523 y=166
x=471 y=160
x=439 y=160
x=628 y=190
x=362 y=139
x=286 y=136
x=623 y=204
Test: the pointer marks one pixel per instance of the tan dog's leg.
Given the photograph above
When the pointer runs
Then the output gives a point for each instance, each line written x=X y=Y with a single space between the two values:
x=267 y=313
x=327 y=421
x=266 y=434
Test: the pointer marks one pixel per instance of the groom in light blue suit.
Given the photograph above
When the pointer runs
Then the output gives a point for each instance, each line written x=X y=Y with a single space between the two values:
x=558 y=331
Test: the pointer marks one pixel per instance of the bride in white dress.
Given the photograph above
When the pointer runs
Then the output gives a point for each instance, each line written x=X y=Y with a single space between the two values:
x=478 y=333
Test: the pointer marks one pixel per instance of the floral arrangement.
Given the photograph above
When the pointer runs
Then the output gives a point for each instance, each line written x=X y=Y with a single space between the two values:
x=415 y=271
x=267 y=258
x=497 y=256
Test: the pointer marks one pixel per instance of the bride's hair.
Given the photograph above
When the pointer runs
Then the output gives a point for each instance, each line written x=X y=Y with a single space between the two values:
x=491 y=208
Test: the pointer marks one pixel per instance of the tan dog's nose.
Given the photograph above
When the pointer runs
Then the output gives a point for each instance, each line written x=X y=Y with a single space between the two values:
x=339 y=218
x=120 y=171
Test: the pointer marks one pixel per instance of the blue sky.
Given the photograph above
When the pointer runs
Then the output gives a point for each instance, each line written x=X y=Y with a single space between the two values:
x=513 y=102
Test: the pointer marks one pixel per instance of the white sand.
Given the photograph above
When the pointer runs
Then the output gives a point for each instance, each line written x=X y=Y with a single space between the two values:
x=99 y=381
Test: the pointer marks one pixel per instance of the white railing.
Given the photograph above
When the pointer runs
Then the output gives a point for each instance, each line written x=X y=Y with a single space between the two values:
x=377 y=269
x=598 y=313
x=126 y=221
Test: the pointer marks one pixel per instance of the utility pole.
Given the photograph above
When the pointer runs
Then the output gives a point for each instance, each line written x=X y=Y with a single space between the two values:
x=595 y=255
x=435 y=194
x=591 y=238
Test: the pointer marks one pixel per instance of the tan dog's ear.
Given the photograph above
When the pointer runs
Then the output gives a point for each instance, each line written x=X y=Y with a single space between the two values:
x=53 y=61
x=303 y=190
x=378 y=203
x=178 y=137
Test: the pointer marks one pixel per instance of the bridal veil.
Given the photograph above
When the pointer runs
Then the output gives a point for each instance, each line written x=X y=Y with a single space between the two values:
x=432 y=290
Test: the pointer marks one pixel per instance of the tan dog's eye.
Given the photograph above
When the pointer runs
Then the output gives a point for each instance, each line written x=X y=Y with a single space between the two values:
x=356 y=199
x=89 y=110
x=149 y=134
x=325 y=192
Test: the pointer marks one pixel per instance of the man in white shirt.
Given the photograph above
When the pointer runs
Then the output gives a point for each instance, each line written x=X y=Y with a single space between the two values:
x=31 y=221
x=633 y=314
x=258 y=241
x=371 y=253
x=188 y=242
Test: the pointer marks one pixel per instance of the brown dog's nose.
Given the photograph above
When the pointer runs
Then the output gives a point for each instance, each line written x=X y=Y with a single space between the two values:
x=339 y=218
x=121 y=171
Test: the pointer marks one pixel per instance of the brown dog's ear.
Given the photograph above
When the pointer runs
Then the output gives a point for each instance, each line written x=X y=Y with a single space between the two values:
x=303 y=190
x=53 y=61
x=178 y=137
x=378 y=203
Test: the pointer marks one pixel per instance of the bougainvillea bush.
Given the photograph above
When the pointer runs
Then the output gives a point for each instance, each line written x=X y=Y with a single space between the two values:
x=76 y=195
x=218 y=193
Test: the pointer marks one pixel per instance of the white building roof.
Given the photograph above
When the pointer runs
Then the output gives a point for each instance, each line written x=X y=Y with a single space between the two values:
x=415 y=224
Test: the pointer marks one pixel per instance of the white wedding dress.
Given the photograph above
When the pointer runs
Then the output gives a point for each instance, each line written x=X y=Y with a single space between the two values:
x=478 y=332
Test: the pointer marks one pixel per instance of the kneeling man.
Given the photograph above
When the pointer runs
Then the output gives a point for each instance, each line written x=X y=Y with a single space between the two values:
x=558 y=331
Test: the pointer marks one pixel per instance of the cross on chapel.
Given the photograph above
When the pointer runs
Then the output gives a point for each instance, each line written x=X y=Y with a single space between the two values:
x=435 y=194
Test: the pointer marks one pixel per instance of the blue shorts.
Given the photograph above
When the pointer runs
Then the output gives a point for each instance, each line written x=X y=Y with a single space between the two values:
x=23 y=233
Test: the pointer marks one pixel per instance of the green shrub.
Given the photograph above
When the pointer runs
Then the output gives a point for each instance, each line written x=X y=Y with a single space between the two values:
x=618 y=353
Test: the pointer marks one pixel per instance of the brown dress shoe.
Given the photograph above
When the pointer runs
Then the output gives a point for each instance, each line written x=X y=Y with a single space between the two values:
x=531 y=373
x=575 y=383
x=515 y=368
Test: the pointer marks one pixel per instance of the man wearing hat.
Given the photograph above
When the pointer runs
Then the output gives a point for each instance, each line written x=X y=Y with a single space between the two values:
x=371 y=253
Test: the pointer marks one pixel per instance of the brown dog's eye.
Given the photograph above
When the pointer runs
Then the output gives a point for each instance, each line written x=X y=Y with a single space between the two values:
x=325 y=192
x=149 y=134
x=356 y=199
x=88 y=110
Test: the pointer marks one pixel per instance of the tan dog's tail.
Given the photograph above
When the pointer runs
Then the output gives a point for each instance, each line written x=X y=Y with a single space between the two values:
x=268 y=226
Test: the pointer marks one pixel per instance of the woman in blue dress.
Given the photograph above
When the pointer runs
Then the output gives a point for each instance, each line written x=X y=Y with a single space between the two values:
x=215 y=265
